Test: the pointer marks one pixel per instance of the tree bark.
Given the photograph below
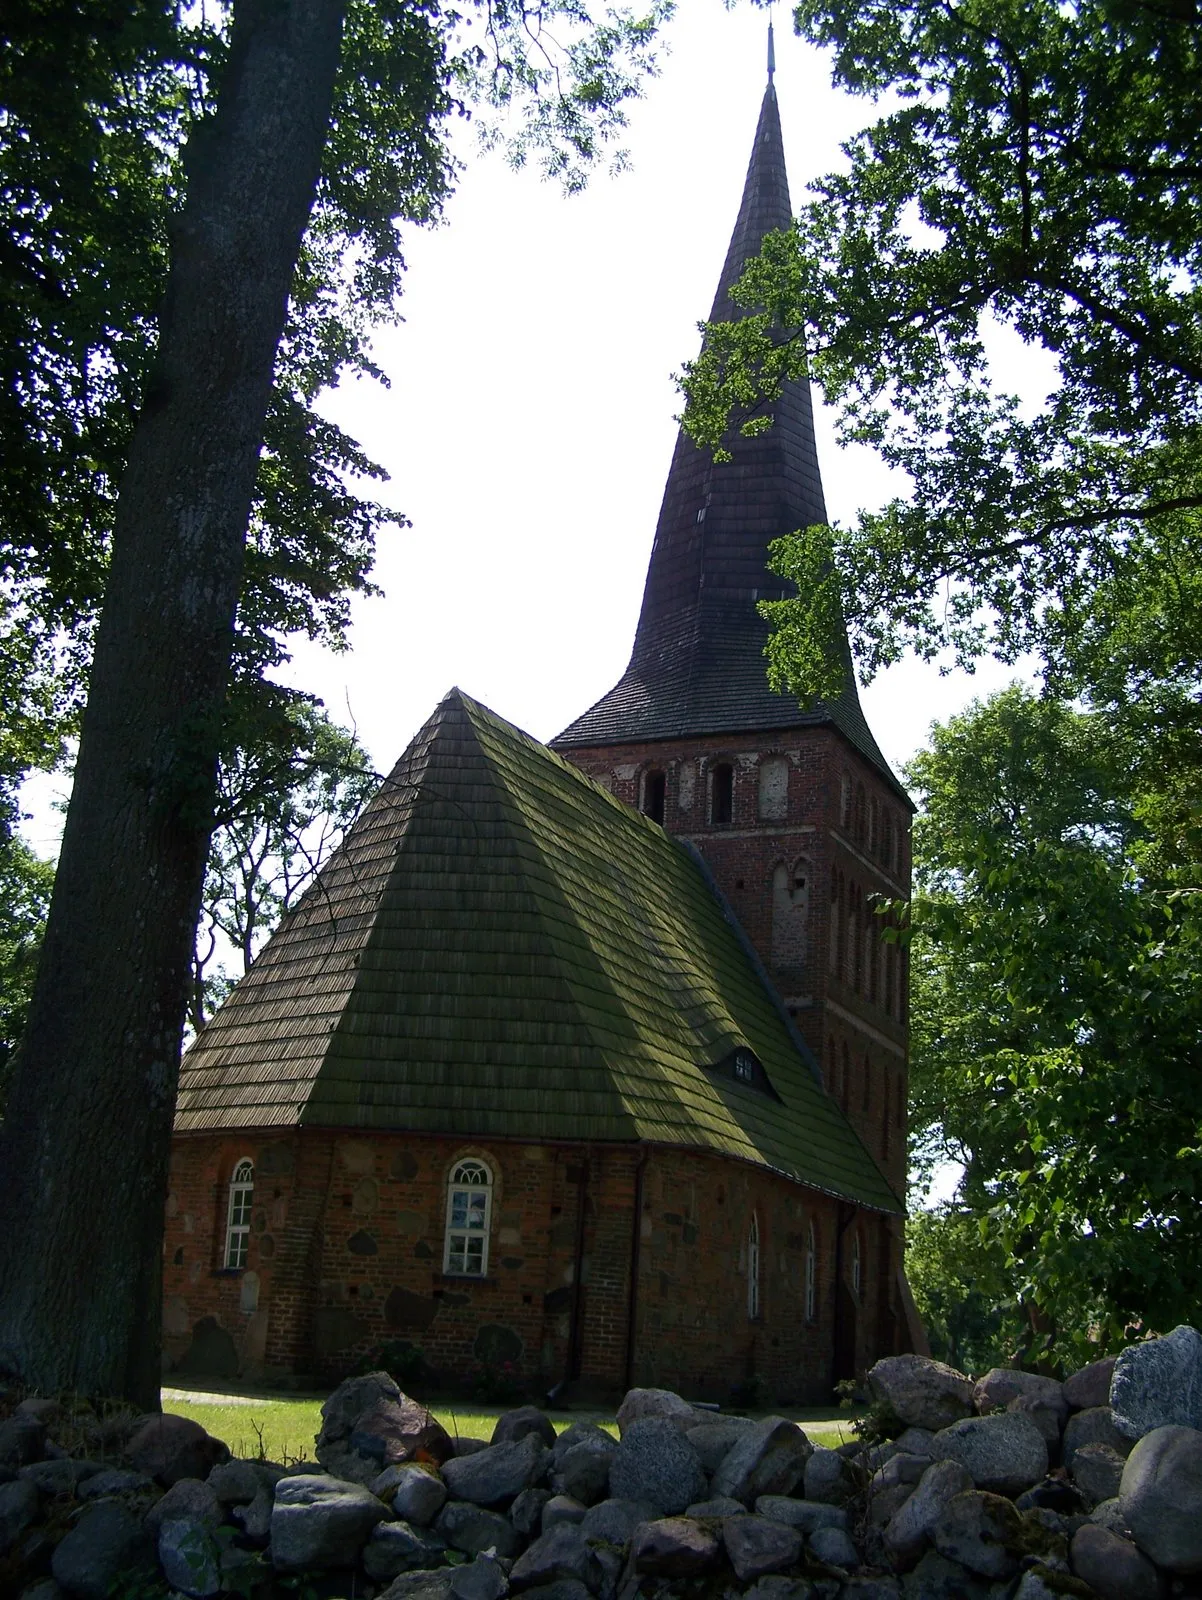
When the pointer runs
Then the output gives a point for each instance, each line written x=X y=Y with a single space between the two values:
x=84 y=1149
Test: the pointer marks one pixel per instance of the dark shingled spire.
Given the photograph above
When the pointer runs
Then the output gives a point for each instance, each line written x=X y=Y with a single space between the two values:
x=698 y=663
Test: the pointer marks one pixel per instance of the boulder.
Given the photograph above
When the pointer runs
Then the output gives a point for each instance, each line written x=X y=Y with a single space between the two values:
x=1113 y=1567
x=675 y=1547
x=22 y=1440
x=580 y=1433
x=640 y=1403
x=908 y=1532
x=168 y=1448
x=719 y=1506
x=807 y=1515
x=1005 y=1452
x=769 y=1458
x=396 y=1547
x=1001 y=1385
x=369 y=1424
x=44 y=1589
x=871 y=1588
x=106 y=1546
x=884 y=1504
x=481 y=1579
x=902 y=1468
x=1095 y=1426
x=497 y=1475
x=416 y=1493
x=916 y=1442
x=1049 y=1418
x=254 y=1518
x=777 y=1587
x=473 y=1530
x=1091 y=1386
x=937 y=1578
x=419 y=1586
x=920 y=1392
x=558 y=1589
x=62 y=1476
x=189 y=1557
x=829 y=1476
x=1097 y=1472
x=1056 y=1493
x=234 y=1482
x=18 y=1510
x=526 y=1512
x=466 y=1445
x=320 y=1521
x=834 y=1546
x=562 y=1552
x=1109 y=1514
x=112 y=1480
x=1044 y=1583
x=756 y=1545
x=583 y=1471
x=712 y=1440
x=614 y=1521
x=516 y=1424
x=562 y=1508
x=1161 y=1497
x=983 y=1532
x=1158 y=1384
x=656 y=1462
x=189 y=1500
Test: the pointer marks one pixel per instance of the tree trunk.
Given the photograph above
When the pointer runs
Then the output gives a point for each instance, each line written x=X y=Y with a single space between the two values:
x=84 y=1148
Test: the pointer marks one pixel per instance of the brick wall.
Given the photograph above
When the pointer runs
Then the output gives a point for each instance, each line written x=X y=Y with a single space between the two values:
x=346 y=1254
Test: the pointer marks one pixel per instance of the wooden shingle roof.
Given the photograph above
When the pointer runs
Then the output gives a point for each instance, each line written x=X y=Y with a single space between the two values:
x=501 y=949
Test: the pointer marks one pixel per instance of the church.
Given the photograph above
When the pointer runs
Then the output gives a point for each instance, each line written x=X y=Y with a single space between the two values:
x=583 y=1065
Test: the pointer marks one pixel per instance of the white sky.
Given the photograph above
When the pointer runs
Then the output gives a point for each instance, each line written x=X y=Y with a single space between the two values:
x=529 y=425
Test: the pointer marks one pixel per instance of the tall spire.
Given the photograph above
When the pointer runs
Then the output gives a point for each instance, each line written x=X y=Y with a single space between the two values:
x=698 y=663
x=771 y=51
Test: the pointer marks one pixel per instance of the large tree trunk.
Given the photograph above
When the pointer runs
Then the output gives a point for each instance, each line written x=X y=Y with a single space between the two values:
x=84 y=1148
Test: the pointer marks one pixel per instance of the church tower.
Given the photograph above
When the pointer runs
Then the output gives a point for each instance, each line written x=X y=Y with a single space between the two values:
x=796 y=813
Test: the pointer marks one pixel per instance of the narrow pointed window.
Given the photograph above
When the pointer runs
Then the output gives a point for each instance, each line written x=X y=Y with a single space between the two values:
x=811 y=1278
x=469 y=1209
x=237 y=1226
x=722 y=795
x=857 y=1271
x=753 y=1268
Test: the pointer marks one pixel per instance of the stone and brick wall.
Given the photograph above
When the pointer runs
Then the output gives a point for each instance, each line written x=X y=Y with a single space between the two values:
x=346 y=1254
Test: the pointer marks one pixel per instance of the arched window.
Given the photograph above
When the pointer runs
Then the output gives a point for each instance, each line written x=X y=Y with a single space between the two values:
x=753 y=1268
x=774 y=789
x=857 y=1271
x=722 y=794
x=844 y=801
x=655 y=789
x=469 y=1208
x=237 y=1227
x=853 y=936
x=811 y=1276
x=861 y=817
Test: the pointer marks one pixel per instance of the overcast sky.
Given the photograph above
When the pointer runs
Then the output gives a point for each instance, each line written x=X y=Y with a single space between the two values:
x=529 y=423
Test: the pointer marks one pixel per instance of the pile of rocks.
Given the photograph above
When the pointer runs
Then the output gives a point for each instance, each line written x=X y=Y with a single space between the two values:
x=1016 y=1487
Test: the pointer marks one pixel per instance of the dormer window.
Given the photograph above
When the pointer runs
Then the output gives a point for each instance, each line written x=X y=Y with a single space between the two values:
x=655 y=789
x=722 y=795
x=743 y=1065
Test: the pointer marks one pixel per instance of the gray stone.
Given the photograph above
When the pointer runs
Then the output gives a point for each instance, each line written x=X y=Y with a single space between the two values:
x=921 y=1393
x=497 y=1475
x=614 y=1521
x=516 y=1424
x=657 y=1463
x=168 y=1448
x=189 y=1500
x=418 y=1586
x=1097 y=1472
x=1039 y=1583
x=1001 y=1385
x=580 y=1433
x=712 y=1440
x=188 y=1557
x=320 y=1521
x=808 y=1515
x=1158 y=1384
x=235 y=1483
x=778 y=1587
x=833 y=1546
x=481 y=1579
x=1095 y=1426
x=369 y=1424
x=1049 y=1418
x=1161 y=1497
x=884 y=1504
x=1005 y=1452
x=983 y=1532
x=560 y=1589
x=916 y=1442
x=562 y=1552
x=43 y=1408
x=908 y=1532
x=59 y=1477
x=396 y=1547
x=829 y=1476
x=871 y=1588
x=756 y=1545
x=770 y=1458
x=465 y=1445
x=18 y=1510
x=1112 y=1566
x=901 y=1468
x=106 y=1544
x=112 y=1480
x=562 y=1508
x=254 y=1518
x=415 y=1492
x=937 y=1578
x=1109 y=1514
x=583 y=1471
x=473 y=1530
x=675 y=1547
x=1091 y=1386
x=22 y=1440
x=526 y=1512
x=722 y=1506
x=44 y=1589
x=640 y=1403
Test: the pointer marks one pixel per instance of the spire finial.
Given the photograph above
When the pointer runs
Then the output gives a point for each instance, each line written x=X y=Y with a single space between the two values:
x=771 y=50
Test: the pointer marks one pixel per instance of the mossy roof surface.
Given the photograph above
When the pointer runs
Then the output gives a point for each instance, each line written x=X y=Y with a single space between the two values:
x=500 y=948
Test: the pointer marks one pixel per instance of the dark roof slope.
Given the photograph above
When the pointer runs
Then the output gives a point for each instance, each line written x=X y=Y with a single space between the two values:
x=501 y=948
x=698 y=662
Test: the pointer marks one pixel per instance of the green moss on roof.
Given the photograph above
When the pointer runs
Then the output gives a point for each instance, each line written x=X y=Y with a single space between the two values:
x=500 y=948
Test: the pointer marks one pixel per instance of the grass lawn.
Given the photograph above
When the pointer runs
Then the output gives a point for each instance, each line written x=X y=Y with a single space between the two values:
x=285 y=1429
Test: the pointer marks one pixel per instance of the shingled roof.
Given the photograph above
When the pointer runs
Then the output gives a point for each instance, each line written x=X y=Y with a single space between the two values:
x=698 y=662
x=501 y=949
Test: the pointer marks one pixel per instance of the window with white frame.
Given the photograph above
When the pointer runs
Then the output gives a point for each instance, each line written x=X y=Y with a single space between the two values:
x=753 y=1268
x=811 y=1278
x=469 y=1209
x=237 y=1227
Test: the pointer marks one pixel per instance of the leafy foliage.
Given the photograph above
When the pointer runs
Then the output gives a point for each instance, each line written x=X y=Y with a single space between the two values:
x=1057 y=1016
x=25 y=885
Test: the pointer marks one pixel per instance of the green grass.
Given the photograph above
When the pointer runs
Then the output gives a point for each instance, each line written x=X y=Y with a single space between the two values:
x=285 y=1429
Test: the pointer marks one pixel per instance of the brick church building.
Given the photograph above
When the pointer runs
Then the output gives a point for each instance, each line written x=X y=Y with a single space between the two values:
x=585 y=1062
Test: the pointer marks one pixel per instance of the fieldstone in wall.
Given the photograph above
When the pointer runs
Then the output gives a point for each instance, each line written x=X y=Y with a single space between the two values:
x=757 y=1545
x=656 y=1462
x=829 y=1476
x=416 y=1493
x=368 y=1424
x=983 y=1532
x=1112 y=1566
x=473 y=1530
x=497 y=1474
x=18 y=1509
x=481 y=1579
x=1001 y=1385
x=234 y=1482
x=639 y=1403
x=675 y=1547
x=168 y=1448
x=1091 y=1386
x=614 y=1521
x=769 y=1458
x=526 y=1512
x=396 y=1547
x=1158 y=1384
x=1004 y=1452
x=920 y=1392
x=1161 y=1497
x=189 y=1500
x=1095 y=1426
x=106 y=1544
x=583 y=1471
x=516 y=1424
x=909 y=1530
x=320 y=1521
x=189 y=1559
x=807 y=1515
x=563 y=1552
x=712 y=1440
x=1097 y=1472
